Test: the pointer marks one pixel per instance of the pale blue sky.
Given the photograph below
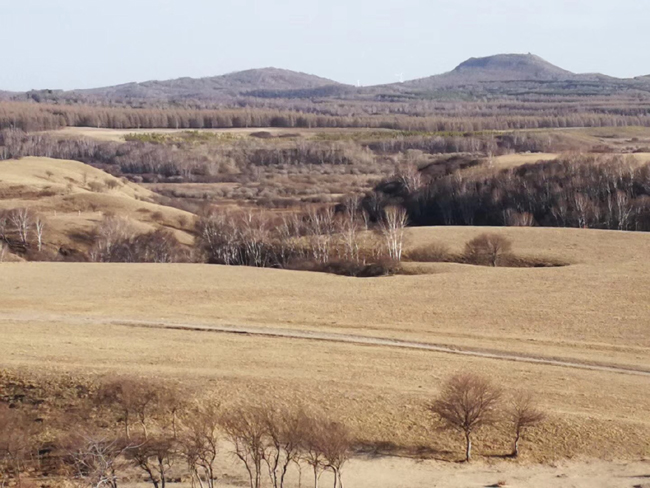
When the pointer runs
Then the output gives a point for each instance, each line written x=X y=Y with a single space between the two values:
x=88 y=43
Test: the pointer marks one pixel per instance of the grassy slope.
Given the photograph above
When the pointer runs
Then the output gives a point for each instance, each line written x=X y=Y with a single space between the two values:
x=596 y=309
x=61 y=191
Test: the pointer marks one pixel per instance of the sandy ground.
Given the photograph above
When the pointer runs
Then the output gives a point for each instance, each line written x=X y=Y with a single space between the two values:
x=395 y=472
x=403 y=473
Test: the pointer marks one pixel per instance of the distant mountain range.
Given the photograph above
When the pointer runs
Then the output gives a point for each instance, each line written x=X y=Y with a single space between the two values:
x=500 y=75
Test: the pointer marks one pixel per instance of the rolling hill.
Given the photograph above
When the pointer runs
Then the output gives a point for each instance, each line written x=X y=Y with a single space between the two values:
x=216 y=87
x=501 y=74
x=73 y=198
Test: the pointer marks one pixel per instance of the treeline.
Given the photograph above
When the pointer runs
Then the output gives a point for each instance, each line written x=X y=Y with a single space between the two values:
x=100 y=434
x=316 y=240
x=218 y=162
x=212 y=160
x=604 y=192
x=40 y=117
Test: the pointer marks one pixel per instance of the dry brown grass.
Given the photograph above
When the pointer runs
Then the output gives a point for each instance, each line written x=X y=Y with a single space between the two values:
x=73 y=317
x=62 y=191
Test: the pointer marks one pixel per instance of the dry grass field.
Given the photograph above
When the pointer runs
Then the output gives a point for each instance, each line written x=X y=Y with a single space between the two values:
x=89 y=319
x=74 y=197
x=320 y=339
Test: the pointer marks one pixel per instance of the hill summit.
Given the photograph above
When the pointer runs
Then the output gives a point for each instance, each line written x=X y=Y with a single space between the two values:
x=507 y=67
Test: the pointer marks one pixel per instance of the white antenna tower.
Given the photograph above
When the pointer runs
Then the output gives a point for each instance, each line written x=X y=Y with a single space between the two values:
x=400 y=77
x=358 y=83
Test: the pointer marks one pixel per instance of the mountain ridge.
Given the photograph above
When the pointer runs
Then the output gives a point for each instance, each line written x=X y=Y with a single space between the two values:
x=500 y=73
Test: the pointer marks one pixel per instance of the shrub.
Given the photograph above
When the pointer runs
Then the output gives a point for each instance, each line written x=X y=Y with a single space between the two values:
x=487 y=250
x=436 y=252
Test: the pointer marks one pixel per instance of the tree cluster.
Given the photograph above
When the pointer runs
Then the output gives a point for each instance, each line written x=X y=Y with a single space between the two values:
x=21 y=230
x=115 y=241
x=167 y=433
x=604 y=192
x=468 y=402
x=318 y=239
x=162 y=431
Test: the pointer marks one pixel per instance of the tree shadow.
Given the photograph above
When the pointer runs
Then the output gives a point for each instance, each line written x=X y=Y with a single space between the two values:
x=390 y=449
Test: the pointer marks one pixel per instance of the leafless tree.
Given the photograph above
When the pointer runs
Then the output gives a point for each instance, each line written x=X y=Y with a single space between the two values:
x=392 y=228
x=314 y=446
x=39 y=225
x=18 y=442
x=348 y=229
x=21 y=219
x=487 y=249
x=523 y=413
x=245 y=428
x=467 y=403
x=320 y=229
x=336 y=446
x=410 y=177
x=4 y=225
x=153 y=455
x=110 y=233
x=283 y=440
x=97 y=458
x=135 y=401
x=200 y=443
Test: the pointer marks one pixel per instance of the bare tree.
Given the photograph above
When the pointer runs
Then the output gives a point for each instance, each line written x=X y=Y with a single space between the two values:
x=17 y=442
x=487 y=249
x=97 y=458
x=39 y=225
x=4 y=225
x=110 y=233
x=467 y=403
x=409 y=175
x=523 y=413
x=200 y=443
x=285 y=429
x=320 y=229
x=134 y=400
x=153 y=455
x=336 y=446
x=314 y=447
x=245 y=428
x=21 y=219
x=392 y=228
x=348 y=228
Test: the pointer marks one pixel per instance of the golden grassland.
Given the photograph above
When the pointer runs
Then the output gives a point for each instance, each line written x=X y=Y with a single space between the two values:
x=80 y=318
x=74 y=197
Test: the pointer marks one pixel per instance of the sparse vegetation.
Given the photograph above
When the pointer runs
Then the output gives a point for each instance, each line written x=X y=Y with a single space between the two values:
x=487 y=249
x=126 y=422
x=466 y=404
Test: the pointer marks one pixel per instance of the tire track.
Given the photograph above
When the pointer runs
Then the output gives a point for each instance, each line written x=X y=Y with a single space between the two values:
x=382 y=342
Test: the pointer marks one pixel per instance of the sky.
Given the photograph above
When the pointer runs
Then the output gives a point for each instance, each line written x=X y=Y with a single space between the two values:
x=67 y=44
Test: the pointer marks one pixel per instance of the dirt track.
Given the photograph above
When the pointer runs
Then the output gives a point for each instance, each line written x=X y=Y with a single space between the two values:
x=276 y=332
x=378 y=341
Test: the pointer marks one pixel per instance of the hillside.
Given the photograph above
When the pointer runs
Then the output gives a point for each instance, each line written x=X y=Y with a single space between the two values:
x=593 y=312
x=503 y=74
x=509 y=69
x=213 y=88
x=73 y=198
